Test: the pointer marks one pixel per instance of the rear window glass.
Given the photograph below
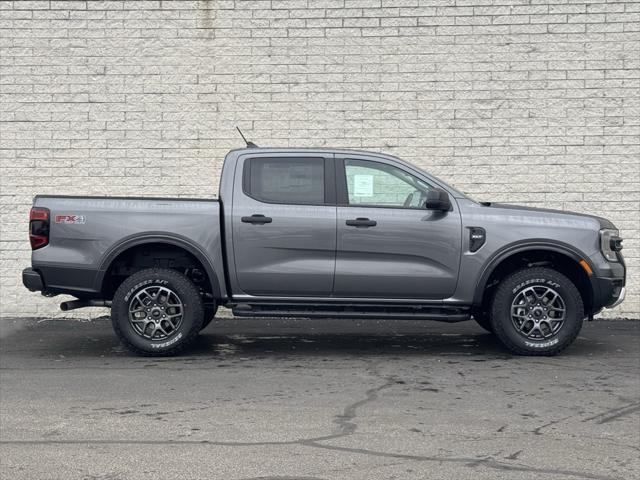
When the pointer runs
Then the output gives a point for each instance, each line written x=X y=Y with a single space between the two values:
x=286 y=180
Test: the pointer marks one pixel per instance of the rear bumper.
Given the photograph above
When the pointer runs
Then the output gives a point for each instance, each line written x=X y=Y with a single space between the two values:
x=32 y=280
x=56 y=280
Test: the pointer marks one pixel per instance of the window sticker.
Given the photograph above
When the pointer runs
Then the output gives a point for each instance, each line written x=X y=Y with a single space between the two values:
x=363 y=185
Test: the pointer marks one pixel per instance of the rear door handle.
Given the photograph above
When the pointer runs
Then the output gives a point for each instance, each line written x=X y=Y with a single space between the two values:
x=257 y=219
x=361 y=223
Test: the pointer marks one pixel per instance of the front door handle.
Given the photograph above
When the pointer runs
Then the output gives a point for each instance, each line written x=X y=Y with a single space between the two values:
x=361 y=223
x=257 y=219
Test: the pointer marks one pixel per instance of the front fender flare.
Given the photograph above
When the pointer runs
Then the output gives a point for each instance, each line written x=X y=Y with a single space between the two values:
x=518 y=247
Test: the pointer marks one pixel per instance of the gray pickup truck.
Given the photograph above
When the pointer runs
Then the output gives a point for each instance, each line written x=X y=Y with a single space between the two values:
x=325 y=233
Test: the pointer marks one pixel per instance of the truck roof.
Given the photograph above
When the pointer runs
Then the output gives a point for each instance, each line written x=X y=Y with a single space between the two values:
x=312 y=149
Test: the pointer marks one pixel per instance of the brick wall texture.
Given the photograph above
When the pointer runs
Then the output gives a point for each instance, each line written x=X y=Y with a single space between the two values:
x=525 y=101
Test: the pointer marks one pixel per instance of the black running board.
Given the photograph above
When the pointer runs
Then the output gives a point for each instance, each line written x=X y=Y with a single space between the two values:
x=373 y=312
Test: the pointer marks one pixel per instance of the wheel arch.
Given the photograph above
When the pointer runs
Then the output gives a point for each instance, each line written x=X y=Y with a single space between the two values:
x=160 y=238
x=565 y=258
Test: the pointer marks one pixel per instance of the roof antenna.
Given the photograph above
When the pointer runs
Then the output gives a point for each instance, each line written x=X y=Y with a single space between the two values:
x=249 y=144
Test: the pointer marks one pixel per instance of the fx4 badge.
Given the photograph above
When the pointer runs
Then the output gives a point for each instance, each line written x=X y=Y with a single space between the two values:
x=75 y=219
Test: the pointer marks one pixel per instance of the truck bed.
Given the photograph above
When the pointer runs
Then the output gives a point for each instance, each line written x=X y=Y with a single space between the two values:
x=88 y=232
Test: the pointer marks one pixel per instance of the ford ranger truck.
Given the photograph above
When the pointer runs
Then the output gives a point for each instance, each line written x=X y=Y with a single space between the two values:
x=325 y=233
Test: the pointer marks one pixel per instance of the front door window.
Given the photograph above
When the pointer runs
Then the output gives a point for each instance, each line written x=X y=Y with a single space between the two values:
x=375 y=184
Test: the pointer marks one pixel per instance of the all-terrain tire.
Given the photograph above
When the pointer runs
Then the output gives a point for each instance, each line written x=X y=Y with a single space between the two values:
x=149 y=280
x=515 y=286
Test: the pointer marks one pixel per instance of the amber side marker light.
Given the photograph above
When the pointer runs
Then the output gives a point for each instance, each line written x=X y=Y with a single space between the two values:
x=583 y=263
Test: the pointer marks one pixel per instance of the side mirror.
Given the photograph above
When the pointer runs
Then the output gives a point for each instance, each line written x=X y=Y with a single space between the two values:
x=437 y=199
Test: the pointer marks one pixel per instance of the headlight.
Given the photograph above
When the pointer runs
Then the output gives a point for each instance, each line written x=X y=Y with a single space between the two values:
x=610 y=243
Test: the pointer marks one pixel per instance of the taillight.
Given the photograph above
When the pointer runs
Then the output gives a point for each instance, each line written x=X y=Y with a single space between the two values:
x=38 y=227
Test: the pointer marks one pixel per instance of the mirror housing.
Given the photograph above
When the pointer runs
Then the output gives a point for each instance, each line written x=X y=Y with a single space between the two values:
x=438 y=199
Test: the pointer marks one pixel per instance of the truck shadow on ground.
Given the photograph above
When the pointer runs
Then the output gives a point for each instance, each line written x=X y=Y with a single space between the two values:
x=481 y=346
x=282 y=338
x=350 y=344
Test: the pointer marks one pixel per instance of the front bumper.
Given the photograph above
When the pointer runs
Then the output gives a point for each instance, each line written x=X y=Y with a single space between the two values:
x=607 y=292
x=608 y=285
x=32 y=280
x=619 y=300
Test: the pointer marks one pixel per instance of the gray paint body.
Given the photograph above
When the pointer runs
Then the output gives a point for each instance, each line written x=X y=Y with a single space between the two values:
x=308 y=253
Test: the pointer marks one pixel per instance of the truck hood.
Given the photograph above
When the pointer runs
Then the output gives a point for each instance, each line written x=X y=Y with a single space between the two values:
x=604 y=223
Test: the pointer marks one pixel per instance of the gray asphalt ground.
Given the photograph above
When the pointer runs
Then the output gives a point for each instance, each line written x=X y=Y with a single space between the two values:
x=322 y=399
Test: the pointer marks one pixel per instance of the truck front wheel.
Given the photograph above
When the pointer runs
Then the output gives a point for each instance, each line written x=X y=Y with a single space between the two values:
x=157 y=312
x=537 y=311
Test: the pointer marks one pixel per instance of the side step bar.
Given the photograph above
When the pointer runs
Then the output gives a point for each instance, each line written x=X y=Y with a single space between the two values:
x=374 y=312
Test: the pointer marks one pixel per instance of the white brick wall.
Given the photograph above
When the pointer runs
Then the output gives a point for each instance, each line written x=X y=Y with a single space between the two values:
x=527 y=101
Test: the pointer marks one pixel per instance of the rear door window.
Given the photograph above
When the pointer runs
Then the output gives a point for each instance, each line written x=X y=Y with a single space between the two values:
x=299 y=181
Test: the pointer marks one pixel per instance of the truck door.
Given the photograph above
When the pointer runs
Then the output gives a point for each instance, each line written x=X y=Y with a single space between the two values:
x=389 y=245
x=284 y=224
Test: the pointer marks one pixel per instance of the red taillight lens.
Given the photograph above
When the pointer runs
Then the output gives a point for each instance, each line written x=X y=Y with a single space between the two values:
x=38 y=241
x=38 y=213
x=38 y=227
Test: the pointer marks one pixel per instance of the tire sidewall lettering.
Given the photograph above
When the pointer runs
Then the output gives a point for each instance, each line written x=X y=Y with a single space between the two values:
x=544 y=344
x=144 y=283
x=535 y=281
x=168 y=343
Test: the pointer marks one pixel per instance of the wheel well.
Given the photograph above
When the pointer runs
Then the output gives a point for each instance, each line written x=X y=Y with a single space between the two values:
x=536 y=258
x=155 y=255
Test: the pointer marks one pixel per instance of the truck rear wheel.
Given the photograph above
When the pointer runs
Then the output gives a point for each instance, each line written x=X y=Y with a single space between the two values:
x=537 y=311
x=157 y=312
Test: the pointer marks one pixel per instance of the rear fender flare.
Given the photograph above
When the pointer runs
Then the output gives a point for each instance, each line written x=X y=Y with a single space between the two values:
x=159 y=237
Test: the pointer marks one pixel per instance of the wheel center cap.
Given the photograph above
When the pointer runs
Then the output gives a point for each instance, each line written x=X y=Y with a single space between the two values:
x=156 y=313
x=538 y=312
